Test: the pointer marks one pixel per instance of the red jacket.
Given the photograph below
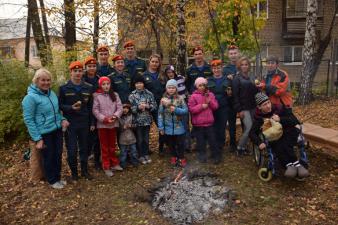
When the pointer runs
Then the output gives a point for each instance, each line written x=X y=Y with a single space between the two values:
x=202 y=117
x=279 y=89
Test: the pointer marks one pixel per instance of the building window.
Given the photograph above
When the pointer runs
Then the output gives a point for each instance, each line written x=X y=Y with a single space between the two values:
x=34 y=51
x=262 y=7
x=293 y=54
x=297 y=8
x=6 y=52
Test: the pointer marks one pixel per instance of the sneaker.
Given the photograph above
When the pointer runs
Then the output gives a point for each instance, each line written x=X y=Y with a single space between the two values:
x=63 y=182
x=57 y=185
x=302 y=171
x=109 y=173
x=173 y=161
x=183 y=162
x=142 y=160
x=117 y=167
x=291 y=171
x=91 y=157
x=148 y=159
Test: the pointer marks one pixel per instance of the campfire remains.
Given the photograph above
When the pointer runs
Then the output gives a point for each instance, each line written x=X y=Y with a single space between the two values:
x=191 y=197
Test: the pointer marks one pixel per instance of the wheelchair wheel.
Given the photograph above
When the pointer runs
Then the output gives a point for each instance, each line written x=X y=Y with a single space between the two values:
x=258 y=156
x=264 y=174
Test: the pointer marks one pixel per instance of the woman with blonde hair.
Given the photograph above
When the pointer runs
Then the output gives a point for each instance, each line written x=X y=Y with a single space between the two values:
x=45 y=124
x=244 y=90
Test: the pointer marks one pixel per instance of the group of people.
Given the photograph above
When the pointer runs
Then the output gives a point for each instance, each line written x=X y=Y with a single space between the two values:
x=103 y=108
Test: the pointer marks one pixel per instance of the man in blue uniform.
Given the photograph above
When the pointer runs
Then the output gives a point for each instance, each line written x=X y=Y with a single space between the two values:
x=199 y=68
x=103 y=66
x=230 y=72
x=75 y=99
x=133 y=65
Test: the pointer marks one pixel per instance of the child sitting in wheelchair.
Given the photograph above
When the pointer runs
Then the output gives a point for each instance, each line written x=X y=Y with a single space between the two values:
x=281 y=134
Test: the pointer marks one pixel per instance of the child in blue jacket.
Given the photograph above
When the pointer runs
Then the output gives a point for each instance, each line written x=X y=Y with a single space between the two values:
x=170 y=122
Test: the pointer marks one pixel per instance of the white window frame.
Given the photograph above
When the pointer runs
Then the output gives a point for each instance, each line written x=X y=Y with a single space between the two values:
x=292 y=63
x=258 y=9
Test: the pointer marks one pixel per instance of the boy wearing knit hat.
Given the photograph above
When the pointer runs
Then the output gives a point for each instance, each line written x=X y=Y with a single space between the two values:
x=75 y=99
x=171 y=124
x=283 y=147
x=142 y=105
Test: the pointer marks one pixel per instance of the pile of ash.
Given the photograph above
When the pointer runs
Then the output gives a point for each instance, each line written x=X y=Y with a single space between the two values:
x=191 y=197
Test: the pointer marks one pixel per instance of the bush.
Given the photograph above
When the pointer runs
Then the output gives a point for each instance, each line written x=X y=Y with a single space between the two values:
x=14 y=80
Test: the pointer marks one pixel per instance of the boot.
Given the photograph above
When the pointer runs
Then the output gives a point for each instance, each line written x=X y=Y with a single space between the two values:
x=75 y=176
x=84 y=171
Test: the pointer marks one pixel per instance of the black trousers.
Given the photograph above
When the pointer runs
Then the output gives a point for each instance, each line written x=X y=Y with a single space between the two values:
x=203 y=136
x=94 y=146
x=283 y=148
x=176 y=144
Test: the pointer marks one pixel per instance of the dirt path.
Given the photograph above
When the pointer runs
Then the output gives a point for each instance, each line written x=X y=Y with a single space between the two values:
x=112 y=201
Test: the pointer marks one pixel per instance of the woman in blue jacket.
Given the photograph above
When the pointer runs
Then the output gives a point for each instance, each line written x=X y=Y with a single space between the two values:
x=45 y=124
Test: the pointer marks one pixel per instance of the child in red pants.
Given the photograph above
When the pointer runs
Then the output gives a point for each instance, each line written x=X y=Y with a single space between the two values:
x=107 y=108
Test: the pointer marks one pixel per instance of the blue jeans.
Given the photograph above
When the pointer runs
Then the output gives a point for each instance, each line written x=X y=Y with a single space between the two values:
x=125 y=149
x=75 y=137
x=52 y=155
x=142 y=137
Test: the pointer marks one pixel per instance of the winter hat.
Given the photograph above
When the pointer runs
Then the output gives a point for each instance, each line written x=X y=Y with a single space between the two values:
x=200 y=80
x=260 y=98
x=172 y=82
x=170 y=67
x=139 y=78
x=102 y=79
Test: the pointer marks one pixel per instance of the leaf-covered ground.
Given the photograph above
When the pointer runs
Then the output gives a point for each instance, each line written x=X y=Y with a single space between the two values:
x=112 y=200
x=322 y=112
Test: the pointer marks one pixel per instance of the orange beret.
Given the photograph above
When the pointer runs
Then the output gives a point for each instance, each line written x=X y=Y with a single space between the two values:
x=197 y=48
x=117 y=57
x=216 y=62
x=128 y=44
x=75 y=65
x=102 y=48
x=90 y=60
x=231 y=47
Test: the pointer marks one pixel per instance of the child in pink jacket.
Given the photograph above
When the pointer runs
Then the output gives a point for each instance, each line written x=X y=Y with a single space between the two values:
x=107 y=108
x=201 y=105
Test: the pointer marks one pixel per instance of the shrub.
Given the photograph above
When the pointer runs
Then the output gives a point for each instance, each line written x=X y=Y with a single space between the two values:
x=14 y=80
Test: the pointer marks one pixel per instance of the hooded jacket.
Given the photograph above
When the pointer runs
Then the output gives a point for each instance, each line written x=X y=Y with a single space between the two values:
x=104 y=107
x=41 y=112
x=202 y=117
x=172 y=122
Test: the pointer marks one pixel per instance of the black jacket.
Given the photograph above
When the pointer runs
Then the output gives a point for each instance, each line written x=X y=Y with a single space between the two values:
x=287 y=119
x=244 y=91
x=68 y=95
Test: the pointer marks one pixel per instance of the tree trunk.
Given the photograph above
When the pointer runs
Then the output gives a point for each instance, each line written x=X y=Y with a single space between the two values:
x=70 y=32
x=28 y=37
x=156 y=31
x=96 y=26
x=214 y=27
x=181 y=42
x=309 y=49
x=45 y=27
x=37 y=32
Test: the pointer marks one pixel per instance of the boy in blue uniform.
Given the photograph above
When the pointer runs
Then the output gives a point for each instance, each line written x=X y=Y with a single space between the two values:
x=199 y=68
x=133 y=65
x=120 y=80
x=75 y=98
x=218 y=84
x=90 y=76
x=230 y=71
x=103 y=66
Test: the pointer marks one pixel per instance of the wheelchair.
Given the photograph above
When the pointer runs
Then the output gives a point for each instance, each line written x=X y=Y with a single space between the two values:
x=266 y=161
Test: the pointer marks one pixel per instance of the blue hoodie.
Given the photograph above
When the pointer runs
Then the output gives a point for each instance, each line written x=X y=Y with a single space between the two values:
x=41 y=112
